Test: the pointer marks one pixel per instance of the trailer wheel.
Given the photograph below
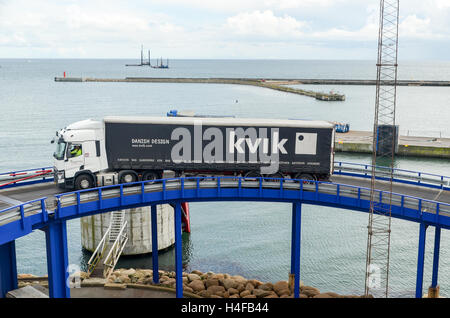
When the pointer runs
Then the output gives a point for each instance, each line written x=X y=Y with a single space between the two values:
x=127 y=176
x=306 y=177
x=252 y=174
x=150 y=175
x=277 y=175
x=84 y=181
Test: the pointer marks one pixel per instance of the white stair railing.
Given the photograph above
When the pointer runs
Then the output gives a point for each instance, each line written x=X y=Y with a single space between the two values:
x=115 y=252
x=98 y=253
x=111 y=236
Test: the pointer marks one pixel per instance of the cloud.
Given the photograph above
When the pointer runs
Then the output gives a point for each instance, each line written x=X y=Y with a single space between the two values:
x=264 y=24
x=198 y=28
x=82 y=27
x=251 y=5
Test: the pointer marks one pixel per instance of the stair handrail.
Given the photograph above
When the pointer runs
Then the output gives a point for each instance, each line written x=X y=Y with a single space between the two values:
x=115 y=252
x=98 y=253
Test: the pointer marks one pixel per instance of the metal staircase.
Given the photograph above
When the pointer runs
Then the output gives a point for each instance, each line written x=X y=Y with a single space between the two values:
x=108 y=251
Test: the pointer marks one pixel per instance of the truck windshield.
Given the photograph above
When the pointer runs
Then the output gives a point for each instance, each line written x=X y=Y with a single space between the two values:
x=60 y=150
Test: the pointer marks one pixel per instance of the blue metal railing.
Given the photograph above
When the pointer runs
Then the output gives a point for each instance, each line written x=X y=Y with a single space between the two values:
x=399 y=175
x=26 y=177
x=219 y=188
x=340 y=168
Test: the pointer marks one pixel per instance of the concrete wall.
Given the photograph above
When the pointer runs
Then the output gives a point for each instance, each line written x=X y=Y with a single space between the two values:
x=138 y=229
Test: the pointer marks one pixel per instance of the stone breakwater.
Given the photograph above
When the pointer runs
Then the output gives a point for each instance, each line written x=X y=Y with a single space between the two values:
x=195 y=284
x=212 y=285
x=279 y=85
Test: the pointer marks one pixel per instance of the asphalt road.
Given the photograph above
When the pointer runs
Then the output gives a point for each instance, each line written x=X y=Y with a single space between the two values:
x=15 y=196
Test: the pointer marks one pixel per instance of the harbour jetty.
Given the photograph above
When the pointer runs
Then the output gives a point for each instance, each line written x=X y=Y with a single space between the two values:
x=250 y=81
x=196 y=284
x=272 y=84
x=361 y=142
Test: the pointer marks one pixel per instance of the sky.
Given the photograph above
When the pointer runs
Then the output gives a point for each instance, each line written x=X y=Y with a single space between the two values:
x=218 y=29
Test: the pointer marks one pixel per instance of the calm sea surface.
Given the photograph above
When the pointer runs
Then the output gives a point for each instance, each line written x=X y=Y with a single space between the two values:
x=249 y=239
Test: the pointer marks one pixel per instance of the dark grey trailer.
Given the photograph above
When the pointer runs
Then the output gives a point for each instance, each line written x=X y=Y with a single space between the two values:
x=194 y=145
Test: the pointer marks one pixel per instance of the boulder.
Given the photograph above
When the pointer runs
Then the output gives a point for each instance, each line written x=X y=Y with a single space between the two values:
x=192 y=277
x=284 y=292
x=229 y=283
x=249 y=296
x=128 y=272
x=197 y=285
x=188 y=289
x=324 y=295
x=249 y=287
x=125 y=279
x=245 y=293
x=333 y=295
x=279 y=286
x=234 y=296
x=197 y=272
x=310 y=291
x=204 y=293
x=218 y=276
x=163 y=278
x=266 y=286
x=255 y=282
x=240 y=287
x=211 y=282
x=25 y=276
x=239 y=279
x=216 y=290
x=169 y=283
x=233 y=291
x=261 y=293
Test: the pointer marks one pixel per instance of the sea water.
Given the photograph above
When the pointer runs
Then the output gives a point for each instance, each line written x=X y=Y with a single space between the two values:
x=249 y=239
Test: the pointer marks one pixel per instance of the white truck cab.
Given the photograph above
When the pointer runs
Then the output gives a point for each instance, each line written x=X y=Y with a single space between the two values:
x=79 y=155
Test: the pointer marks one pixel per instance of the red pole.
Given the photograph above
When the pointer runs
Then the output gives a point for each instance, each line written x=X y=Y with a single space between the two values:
x=186 y=219
x=64 y=74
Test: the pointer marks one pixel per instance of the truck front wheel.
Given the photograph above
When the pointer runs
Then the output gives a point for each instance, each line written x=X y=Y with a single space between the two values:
x=84 y=181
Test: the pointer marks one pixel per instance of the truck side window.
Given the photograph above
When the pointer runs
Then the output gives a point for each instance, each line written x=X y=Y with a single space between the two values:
x=75 y=150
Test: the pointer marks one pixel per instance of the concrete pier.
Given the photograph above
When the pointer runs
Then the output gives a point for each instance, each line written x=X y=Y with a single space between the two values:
x=274 y=81
x=138 y=229
x=276 y=85
x=361 y=142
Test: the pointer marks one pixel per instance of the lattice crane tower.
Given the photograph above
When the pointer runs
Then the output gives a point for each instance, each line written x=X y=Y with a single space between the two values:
x=385 y=142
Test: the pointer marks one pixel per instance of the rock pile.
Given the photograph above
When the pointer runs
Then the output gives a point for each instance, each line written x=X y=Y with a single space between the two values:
x=196 y=283
x=212 y=285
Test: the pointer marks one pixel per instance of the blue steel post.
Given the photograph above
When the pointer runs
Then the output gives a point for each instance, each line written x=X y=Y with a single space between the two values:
x=295 y=246
x=57 y=259
x=437 y=244
x=178 y=251
x=155 y=244
x=8 y=268
x=421 y=260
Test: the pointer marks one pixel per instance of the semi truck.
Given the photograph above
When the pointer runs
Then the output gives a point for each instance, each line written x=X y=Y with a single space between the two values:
x=119 y=149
